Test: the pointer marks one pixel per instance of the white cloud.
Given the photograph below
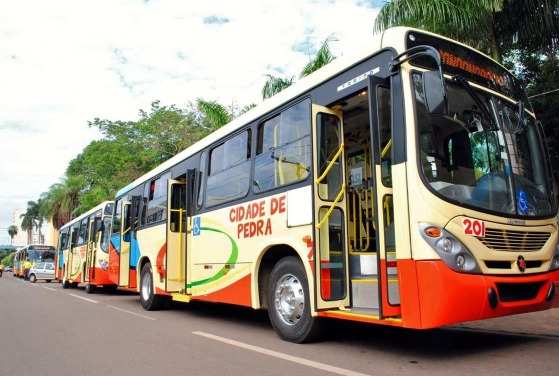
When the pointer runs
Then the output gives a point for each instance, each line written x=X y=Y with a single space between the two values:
x=65 y=62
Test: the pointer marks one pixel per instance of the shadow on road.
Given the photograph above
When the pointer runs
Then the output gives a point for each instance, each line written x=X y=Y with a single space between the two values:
x=431 y=344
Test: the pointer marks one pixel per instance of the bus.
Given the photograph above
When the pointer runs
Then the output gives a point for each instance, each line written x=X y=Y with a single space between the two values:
x=33 y=253
x=82 y=252
x=407 y=186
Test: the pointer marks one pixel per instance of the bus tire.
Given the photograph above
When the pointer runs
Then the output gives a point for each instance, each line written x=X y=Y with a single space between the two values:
x=149 y=300
x=289 y=306
x=89 y=288
x=65 y=284
x=32 y=278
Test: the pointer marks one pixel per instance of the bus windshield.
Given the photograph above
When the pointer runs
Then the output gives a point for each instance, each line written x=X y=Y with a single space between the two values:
x=483 y=153
x=40 y=255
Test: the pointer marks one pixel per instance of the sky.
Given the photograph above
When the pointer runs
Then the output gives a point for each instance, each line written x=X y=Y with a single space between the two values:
x=65 y=62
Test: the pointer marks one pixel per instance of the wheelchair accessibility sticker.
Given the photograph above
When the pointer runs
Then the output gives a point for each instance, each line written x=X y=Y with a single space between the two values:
x=196 y=226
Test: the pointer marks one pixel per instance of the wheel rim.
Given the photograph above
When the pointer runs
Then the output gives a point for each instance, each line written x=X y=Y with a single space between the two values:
x=289 y=299
x=146 y=286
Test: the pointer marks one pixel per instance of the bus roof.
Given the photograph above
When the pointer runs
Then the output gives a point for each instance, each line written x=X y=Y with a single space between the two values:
x=392 y=37
x=86 y=214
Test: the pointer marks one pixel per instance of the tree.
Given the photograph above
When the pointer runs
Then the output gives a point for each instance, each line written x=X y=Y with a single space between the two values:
x=62 y=199
x=12 y=231
x=470 y=21
x=275 y=84
x=493 y=26
x=29 y=220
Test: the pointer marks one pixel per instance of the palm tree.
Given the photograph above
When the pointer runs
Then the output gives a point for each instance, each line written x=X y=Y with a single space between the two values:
x=60 y=202
x=29 y=220
x=275 y=84
x=323 y=57
x=12 y=231
x=214 y=114
x=472 y=21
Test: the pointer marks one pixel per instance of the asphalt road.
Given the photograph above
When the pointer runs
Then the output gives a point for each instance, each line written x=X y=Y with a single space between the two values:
x=45 y=330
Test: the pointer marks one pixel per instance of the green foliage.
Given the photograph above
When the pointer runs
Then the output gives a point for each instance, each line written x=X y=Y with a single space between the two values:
x=275 y=84
x=323 y=57
x=12 y=231
x=128 y=150
x=7 y=258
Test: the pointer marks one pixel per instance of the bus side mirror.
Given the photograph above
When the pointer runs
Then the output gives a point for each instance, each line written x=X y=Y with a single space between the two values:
x=435 y=92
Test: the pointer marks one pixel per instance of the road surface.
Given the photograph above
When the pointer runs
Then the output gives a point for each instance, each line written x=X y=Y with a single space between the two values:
x=46 y=330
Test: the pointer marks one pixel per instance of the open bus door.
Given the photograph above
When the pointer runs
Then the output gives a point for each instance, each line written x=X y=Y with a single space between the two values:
x=125 y=237
x=384 y=180
x=94 y=223
x=331 y=257
x=176 y=236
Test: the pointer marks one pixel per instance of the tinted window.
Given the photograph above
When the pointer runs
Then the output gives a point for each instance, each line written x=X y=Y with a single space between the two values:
x=63 y=242
x=283 y=150
x=202 y=178
x=229 y=170
x=117 y=218
x=105 y=234
x=157 y=199
x=74 y=233
x=82 y=236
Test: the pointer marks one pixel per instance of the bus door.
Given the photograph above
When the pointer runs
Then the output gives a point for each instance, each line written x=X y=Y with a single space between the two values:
x=176 y=236
x=331 y=258
x=89 y=257
x=383 y=195
x=125 y=237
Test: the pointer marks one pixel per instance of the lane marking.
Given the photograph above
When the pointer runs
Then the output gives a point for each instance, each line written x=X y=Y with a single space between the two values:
x=130 y=312
x=82 y=298
x=48 y=288
x=276 y=354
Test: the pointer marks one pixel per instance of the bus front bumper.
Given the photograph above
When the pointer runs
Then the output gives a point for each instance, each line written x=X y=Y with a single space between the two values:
x=447 y=297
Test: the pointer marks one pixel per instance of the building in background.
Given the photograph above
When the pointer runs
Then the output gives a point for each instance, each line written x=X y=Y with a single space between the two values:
x=20 y=239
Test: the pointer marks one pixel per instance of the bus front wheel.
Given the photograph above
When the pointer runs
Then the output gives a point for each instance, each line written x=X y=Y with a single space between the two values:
x=65 y=283
x=289 y=302
x=149 y=300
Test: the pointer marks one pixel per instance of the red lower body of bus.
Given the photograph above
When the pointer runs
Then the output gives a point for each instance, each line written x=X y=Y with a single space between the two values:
x=442 y=296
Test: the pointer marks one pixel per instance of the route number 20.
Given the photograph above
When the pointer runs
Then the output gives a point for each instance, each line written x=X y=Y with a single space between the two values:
x=474 y=227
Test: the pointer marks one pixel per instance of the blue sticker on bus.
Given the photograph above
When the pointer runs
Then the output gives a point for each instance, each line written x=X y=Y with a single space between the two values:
x=196 y=226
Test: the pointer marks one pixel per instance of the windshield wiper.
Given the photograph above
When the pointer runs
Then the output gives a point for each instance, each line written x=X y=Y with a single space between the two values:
x=475 y=96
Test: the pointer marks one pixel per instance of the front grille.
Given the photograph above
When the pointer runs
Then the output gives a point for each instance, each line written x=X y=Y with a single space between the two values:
x=512 y=292
x=498 y=264
x=514 y=241
x=507 y=264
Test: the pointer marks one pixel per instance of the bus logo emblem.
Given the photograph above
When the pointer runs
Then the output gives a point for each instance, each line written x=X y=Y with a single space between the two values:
x=521 y=263
x=196 y=226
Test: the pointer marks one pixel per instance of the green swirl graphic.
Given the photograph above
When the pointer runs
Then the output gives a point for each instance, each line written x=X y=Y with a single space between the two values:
x=223 y=271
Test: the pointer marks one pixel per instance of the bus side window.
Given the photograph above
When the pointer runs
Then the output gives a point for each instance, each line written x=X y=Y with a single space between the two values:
x=201 y=179
x=157 y=199
x=117 y=218
x=229 y=175
x=385 y=124
x=283 y=149
x=82 y=236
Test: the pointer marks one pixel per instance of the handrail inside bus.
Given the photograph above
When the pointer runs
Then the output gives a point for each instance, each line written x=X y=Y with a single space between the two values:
x=331 y=164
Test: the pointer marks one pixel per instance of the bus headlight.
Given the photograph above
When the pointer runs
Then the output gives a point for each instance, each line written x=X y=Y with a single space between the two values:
x=555 y=260
x=450 y=250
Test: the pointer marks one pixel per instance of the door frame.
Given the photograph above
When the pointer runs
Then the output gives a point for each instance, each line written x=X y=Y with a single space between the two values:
x=338 y=203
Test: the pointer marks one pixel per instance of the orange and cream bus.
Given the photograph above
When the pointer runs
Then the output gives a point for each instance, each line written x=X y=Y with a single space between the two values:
x=406 y=186
x=82 y=253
